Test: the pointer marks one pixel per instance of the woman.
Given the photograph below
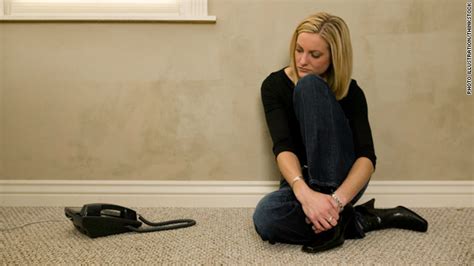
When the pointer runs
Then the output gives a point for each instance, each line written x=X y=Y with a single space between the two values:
x=317 y=118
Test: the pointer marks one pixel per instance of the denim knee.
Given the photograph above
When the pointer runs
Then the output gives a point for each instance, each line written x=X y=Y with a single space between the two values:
x=262 y=219
x=279 y=217
x=312 y=84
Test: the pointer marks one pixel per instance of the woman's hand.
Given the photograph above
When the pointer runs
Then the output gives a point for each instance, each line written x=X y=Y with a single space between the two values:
x=320 y=209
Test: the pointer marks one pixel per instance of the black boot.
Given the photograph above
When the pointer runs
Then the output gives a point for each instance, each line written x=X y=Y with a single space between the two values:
x=399 y=217
x=334 y=237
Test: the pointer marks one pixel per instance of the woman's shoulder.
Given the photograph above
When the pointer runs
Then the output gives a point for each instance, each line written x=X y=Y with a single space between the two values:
x=275 y=76
x=355 y=90
x=355 y=98
x=277 y=80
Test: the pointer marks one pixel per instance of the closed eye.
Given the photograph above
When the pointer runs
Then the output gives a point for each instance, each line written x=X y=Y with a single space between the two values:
x=316 y=54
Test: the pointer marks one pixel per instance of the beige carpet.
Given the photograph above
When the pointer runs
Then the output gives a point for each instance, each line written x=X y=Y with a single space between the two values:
x=224 y=236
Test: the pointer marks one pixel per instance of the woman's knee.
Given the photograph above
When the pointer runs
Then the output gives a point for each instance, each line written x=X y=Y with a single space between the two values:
x=263 y=219
x=312 y=84
x=261 y=226
x=272 y=212
x=282 y=222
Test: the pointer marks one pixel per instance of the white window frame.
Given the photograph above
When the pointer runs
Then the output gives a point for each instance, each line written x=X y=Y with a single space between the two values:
x=188 y=11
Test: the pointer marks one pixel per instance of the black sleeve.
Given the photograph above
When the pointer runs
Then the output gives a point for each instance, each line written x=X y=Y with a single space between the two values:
x=362 y=134
x=276 y=117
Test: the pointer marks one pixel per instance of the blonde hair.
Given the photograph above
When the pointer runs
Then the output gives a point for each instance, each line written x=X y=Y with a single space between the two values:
x=336 y=33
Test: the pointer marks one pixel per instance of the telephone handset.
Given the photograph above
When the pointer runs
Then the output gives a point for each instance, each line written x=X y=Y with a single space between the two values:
x=99 y=219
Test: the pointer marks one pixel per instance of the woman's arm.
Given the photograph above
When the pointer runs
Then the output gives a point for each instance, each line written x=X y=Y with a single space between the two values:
x=357 y=178
x=289 y=166
x=364 y=165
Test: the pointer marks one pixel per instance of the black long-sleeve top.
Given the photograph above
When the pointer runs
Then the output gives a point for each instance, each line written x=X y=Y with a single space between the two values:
x=277 y=97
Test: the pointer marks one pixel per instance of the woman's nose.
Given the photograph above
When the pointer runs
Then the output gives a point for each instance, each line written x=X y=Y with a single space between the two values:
x=303 y=60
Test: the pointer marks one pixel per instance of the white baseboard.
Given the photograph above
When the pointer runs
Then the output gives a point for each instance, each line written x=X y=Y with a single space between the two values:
x=216 y=193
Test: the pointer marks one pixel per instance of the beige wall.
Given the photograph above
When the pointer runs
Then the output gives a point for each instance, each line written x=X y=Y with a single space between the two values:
x=2 y=86
x=161 y=101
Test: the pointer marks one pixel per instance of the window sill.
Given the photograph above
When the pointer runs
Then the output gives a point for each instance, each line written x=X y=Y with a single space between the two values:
x=204 y=19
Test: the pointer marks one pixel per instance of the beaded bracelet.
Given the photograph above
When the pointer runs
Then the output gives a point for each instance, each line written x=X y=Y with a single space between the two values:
x=339 y=203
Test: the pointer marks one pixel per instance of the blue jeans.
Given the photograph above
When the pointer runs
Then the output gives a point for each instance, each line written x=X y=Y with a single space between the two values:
x=327 y=138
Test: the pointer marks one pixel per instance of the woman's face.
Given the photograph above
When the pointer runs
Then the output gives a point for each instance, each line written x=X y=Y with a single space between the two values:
x=312 y=54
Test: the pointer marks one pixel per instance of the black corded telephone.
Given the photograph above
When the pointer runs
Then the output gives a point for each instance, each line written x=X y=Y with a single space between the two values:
x=100 y=219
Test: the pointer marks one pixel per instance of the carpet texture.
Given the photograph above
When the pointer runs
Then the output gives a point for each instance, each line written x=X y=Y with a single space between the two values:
x=224 y=236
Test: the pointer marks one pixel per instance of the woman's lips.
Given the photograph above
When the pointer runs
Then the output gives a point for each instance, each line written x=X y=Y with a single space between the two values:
x=301 y=69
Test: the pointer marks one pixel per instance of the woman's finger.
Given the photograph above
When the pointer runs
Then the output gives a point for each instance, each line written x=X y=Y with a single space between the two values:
x=332 y=221
x=316 y=231
x=318 y=227
x=325 y=224
x=335 y=216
